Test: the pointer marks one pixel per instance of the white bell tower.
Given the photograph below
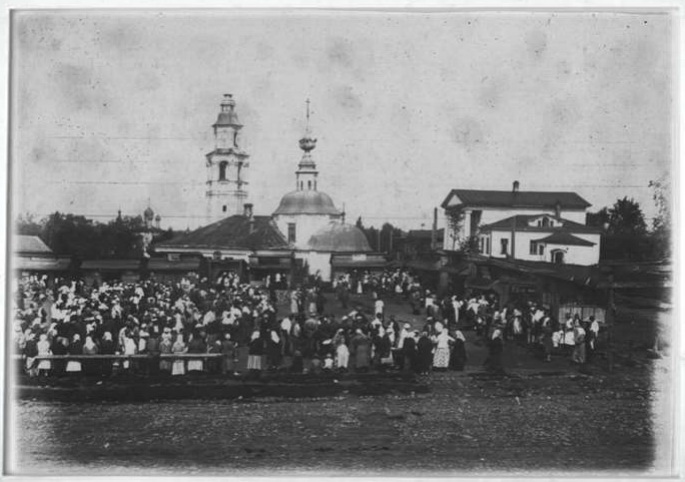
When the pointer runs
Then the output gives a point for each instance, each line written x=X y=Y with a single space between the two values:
x=226 y=166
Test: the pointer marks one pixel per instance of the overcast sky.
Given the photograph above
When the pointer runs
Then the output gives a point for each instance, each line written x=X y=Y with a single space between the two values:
x=112 y=108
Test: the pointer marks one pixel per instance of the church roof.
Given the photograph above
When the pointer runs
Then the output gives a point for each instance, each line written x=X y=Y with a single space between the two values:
x=232 y=233
x=517 y=199
x=307 y=202
x=229 y=118
x=339 y=238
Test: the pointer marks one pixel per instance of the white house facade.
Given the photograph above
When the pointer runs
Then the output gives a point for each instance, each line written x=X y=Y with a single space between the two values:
x=541 y=237
x=466 y=210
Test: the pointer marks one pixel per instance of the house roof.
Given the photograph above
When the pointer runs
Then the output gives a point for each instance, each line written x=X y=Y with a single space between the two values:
x=564 y=238
x=233 y=232
x=518 y=199
x=30 y=244
x=521 y=223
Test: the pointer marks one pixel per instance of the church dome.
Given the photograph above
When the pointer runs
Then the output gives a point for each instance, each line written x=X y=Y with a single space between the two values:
x=149 y=214
x=340 y=238
x=307 y=202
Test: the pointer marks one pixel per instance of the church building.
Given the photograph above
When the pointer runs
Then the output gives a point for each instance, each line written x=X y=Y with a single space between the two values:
x=306 y=229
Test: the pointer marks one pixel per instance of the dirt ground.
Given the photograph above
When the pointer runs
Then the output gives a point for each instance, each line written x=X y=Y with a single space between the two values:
x=541 y=418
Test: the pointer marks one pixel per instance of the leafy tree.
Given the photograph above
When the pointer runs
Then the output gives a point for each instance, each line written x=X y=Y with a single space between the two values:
x=598 y=219
x=625 y=217
x=27 y=225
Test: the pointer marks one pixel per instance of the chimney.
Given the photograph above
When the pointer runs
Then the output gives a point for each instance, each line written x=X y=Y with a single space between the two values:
x=434 y=231
x=247 y=210
x=557 y=210
x=515 y=188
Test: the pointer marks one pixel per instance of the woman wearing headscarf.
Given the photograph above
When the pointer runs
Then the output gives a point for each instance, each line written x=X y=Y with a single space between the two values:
x=424 y=354
x=409 y=351
x=196 y=345
x=43 y=346
x=179 y=347
x=441 y=357
x=30 y=352
x=342 y=353
x=458 y=355
x=166 y=348
x=495 y=349
x=274 y=350
x=255 y=352
x=90 y=367
x=229 y=355
x=75 y=348
x=360 y=351
x=107 y=347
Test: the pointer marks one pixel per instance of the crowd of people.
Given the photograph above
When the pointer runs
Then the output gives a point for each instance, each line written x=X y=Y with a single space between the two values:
x=231 y=327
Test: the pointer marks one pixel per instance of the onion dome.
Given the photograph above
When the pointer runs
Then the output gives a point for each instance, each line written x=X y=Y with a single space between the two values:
x=340 y=238
x=228 y=116
x=149 y=214
x=307 y=202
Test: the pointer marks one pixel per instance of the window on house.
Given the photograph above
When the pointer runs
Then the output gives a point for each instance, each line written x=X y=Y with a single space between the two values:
x=533 y=247
x=504 y=246
x=545 y=222
x=309 y=185
x=539 y=223
x=292 y=233
x=541 y=249
x=223 y=208
x=222 y=171
x=558 y=257
x=487 y=245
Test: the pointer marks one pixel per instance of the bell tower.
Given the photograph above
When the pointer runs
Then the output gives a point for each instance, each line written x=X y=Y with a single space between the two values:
x=226 y=166
x=306 y=174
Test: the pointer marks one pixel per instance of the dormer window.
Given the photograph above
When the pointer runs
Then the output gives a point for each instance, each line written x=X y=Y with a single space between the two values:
x=545 y=222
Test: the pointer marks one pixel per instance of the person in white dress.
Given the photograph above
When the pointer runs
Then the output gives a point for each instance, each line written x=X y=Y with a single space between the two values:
x=44 y=366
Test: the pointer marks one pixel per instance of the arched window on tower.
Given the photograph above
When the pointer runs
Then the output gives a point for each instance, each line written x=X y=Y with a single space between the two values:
x=222 y=170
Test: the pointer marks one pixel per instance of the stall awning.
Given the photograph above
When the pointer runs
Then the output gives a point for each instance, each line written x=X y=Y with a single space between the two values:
x=268 y=262
x=111 y=265
x=358 y=261
x=22 y=263
x=163 y=264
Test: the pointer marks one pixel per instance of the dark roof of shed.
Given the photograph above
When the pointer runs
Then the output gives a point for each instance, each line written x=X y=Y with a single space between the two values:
x=520 y=199
x=564 y=238
x=521 y=221
x=233 y=232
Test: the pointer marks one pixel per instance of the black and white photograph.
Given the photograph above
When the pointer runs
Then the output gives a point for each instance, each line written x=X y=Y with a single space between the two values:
x=369 y=242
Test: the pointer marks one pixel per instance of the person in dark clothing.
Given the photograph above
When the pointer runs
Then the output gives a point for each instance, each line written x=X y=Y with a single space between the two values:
x=458 y=355
x=424 y=354
x=59 y=347
x=495 y=349
x=107 y=347
x=409 y=353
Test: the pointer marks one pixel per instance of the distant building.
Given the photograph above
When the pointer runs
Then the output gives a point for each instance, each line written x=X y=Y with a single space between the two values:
x=32 y=256
x=226 y=166
x=544 y=226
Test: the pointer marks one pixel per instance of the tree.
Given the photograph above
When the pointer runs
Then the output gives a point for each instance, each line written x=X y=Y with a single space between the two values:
x=600 y=219
x=625 y=217
x=27 y=225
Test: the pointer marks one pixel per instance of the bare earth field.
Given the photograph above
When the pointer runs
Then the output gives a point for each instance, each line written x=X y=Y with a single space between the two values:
x=542 y=418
